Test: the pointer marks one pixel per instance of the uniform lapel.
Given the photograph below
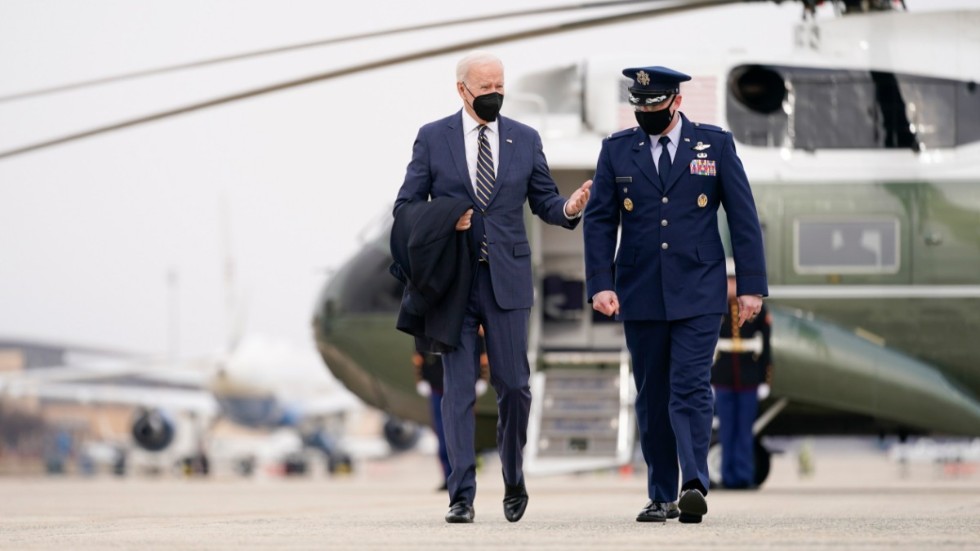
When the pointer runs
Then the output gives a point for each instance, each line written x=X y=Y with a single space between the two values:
x=684 y=155
x=457 y=150
x=644 y=158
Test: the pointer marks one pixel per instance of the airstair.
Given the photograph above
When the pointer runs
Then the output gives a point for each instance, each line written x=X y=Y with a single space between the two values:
x=582 y=414
x=582 y=392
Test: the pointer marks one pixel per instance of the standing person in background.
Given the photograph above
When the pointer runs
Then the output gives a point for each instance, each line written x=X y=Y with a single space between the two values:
x=658 y=187
x=740 y=377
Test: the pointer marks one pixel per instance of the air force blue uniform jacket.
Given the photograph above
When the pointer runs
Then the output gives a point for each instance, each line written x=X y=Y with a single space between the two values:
x=670 y=263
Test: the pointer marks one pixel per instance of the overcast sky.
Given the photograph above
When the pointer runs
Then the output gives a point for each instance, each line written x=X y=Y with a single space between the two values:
x=90 y=230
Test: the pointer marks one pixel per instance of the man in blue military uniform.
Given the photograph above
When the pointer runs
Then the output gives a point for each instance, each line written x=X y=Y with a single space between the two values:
x=660 y=185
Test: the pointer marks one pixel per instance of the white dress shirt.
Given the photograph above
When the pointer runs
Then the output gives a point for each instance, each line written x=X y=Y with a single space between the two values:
x=471 y=138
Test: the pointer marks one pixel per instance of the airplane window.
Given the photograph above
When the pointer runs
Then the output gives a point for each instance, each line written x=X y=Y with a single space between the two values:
x=809 y=109
x=846 y=245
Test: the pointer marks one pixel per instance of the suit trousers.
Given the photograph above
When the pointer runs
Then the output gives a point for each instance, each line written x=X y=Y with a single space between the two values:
x=435 y=402
x=674 y=406
x=505 y=332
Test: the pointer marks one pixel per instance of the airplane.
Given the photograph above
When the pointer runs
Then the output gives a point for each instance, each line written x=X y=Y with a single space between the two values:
x=253 y=381
x=263 y=383
x=863 y=150
x=862 y=183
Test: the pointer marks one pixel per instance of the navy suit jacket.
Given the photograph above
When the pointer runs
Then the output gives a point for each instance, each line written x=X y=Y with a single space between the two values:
x=438 y=169
x=670 y=263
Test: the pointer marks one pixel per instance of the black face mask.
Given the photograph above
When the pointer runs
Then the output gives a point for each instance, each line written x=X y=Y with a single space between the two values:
x=655 y=122
x=487 y=106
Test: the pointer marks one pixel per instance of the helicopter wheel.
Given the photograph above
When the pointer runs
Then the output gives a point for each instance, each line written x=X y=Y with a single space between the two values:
x=401 y=435
x=762 y=458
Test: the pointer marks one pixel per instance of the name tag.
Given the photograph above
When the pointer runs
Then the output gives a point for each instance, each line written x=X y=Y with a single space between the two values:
x=624 y=179
x=702 y=167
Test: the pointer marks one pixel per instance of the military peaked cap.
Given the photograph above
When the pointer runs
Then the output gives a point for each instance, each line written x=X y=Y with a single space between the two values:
x=652 y=85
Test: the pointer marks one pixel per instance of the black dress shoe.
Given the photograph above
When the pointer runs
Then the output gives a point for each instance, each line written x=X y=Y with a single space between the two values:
x=692 y=506
x=657 y=511
x=460 y=512
x=515 y=501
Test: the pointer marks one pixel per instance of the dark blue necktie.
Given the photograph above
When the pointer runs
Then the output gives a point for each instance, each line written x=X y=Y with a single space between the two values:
x=484 y=181
x=663 y=165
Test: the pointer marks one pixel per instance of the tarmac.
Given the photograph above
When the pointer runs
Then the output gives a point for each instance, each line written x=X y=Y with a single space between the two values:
x=851 y=496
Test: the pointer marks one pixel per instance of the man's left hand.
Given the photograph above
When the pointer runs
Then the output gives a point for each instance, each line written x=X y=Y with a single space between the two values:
x=749 y=307
x=577 y=201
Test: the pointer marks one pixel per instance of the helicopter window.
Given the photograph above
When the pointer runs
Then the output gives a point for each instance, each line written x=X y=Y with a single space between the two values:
x=846 y=245
x=809 y=109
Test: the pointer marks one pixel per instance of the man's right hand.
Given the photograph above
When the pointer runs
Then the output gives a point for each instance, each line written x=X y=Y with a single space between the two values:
x=606 y=302
x=464 y=223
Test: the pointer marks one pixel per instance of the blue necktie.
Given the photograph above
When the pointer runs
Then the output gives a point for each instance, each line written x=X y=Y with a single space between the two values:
x=663 y=165
x=484 y=181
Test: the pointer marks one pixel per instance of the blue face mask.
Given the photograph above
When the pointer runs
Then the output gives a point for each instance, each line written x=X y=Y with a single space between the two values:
x=655 y=122
x=487 y=106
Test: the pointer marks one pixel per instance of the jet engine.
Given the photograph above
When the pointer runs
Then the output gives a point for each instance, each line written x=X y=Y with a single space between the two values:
x=153 y=429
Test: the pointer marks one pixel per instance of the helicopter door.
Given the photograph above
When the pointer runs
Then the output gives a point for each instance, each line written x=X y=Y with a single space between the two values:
x=845 y=234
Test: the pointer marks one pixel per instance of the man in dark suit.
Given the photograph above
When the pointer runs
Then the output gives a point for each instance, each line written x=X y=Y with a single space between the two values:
x=661 y=184
x=498 y=164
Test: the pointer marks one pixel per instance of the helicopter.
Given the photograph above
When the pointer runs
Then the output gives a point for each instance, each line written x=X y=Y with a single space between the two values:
x=851 y=342
x=863 y=152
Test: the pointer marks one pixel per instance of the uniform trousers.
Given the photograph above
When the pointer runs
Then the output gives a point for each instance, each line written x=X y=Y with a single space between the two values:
x=505 y=333
x=736 y=412
x=674 y=406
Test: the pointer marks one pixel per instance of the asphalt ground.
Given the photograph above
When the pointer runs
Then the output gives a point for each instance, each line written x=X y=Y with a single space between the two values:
x=839 y=497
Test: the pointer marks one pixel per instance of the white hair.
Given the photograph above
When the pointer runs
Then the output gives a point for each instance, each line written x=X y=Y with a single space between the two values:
x=478 y=57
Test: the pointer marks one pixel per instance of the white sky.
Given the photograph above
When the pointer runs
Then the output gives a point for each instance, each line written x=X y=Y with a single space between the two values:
x=89 y=230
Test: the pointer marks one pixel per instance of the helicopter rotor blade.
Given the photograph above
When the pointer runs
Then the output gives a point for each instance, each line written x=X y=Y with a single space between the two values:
x=28 y=94
x=360 y=68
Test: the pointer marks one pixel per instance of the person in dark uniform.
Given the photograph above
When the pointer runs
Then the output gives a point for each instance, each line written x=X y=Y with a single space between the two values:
x=740 y=376
x=659 y=186
x=429 y=384
x=498 y=165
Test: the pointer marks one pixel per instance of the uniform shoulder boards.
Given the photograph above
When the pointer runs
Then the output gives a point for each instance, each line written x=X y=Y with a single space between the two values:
x=713 y=128
x=621 y=133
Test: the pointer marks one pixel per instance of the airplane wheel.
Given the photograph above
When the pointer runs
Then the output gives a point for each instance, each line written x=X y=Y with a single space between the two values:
x=401 y=435
x=340 y=464
x=294 y=464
